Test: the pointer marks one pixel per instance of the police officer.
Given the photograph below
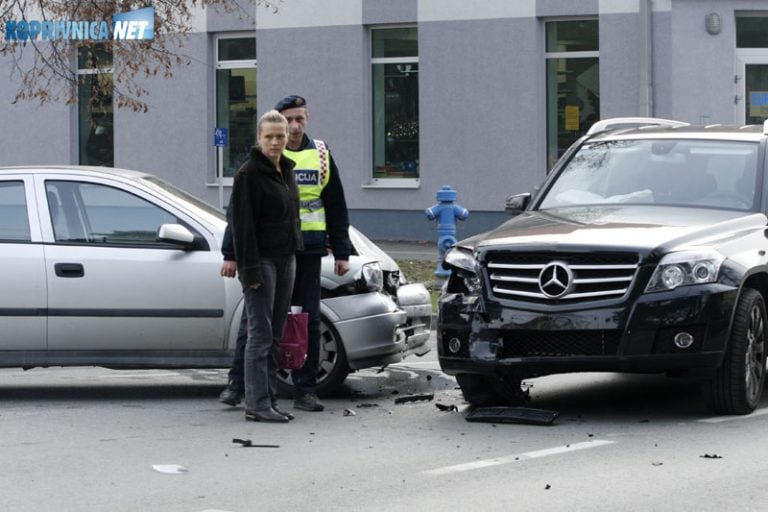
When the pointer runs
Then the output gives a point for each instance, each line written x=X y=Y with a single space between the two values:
x=324 y=220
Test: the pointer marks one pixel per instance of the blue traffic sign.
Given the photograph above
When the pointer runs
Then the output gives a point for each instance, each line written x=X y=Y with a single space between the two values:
x=220 y=137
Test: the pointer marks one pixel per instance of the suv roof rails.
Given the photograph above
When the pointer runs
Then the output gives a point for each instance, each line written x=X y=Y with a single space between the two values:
x=632 y=122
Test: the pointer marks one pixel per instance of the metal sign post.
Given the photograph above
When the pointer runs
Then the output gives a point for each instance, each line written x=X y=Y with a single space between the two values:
x=220 y=140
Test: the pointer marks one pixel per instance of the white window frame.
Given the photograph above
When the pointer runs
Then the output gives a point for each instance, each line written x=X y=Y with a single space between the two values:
x=375 y=183
x=226 y=64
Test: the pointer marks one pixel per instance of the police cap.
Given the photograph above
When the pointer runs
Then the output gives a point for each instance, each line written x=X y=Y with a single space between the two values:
x=292 y=101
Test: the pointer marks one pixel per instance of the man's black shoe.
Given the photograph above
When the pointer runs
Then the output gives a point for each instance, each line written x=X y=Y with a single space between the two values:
x=231 y=397
x=308 y=403
x=267 y=415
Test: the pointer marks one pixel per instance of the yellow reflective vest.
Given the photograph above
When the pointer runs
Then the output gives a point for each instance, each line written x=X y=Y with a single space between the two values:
x=312 y=171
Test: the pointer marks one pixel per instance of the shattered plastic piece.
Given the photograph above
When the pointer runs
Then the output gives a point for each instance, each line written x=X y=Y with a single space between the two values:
x=415 y=398
x=657 y=463
x=170 y=469
x=713 y=456
x=248 y=444
x=349 y=412
x=447 y=408
x=526 y=415
x=547 y=487
x=366 y=406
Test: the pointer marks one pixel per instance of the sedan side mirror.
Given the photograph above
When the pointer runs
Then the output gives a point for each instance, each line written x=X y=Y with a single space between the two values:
x=516 y=204
x=175 y=234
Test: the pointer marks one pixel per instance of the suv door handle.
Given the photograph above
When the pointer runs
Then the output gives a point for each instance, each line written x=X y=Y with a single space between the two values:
x=69 y=269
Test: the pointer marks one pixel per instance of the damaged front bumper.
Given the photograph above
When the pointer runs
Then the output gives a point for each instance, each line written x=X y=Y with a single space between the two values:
x=635 y=336
x=415 y=300
x=370 y=326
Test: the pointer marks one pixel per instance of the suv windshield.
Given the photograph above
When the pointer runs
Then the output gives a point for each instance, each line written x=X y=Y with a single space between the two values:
x=670 y=172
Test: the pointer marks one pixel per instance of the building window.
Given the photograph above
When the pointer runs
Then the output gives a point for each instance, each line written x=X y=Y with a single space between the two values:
x=236 y=96
x=395 y=80
x=573 y=83
x=752 y=30
x=95 y=107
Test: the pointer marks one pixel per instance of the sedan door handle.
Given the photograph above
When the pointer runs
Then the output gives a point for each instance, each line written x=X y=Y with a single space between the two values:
x=69 y=269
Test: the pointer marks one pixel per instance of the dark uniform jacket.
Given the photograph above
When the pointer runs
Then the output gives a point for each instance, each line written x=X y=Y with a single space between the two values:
x=265 y=214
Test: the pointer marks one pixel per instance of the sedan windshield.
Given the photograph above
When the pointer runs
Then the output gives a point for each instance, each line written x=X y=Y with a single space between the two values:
x=694 y=173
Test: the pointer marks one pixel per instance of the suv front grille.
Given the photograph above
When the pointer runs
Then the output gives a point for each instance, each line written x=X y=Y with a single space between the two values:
x=551 y=277
x=525 y=343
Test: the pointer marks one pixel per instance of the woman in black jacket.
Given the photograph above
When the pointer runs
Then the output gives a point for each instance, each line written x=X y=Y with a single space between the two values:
x=267 y=233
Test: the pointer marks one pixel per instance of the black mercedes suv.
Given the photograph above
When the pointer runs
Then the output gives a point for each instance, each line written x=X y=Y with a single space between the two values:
x=644 y=251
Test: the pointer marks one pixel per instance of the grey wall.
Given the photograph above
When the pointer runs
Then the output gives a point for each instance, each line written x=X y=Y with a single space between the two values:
x=482 y=95
x=174 y=139
x=33 y=134
x=481 y=110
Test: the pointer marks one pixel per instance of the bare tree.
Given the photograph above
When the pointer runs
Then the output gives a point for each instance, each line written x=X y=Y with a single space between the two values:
x=47 y=70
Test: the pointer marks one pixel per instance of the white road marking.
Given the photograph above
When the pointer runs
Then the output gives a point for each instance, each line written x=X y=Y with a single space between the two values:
x=137 y=375
x=516 y=458
x=720 y=419
x=433 y=365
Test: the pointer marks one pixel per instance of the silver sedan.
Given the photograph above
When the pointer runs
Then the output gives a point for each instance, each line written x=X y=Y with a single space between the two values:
x=117 y=268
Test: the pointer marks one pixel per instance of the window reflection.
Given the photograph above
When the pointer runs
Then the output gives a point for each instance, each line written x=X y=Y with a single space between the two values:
x=395 y=73
x=95 y=108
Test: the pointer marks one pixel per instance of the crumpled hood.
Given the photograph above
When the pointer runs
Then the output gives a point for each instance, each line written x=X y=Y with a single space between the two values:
x=639 y=228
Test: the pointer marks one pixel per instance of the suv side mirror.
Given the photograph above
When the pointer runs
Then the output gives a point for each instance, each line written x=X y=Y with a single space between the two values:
x=516 y=204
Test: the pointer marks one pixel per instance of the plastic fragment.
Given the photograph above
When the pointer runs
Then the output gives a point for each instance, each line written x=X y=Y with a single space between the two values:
x=247 y=443
x=415 y=398
x=170 y=469
x=447 y=408
x=349 y=412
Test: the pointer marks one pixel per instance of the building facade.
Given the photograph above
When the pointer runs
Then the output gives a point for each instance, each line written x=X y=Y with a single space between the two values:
x=412 y=95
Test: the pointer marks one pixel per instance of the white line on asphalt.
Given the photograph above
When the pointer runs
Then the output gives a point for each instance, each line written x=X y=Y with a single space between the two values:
x=720 y=419
x=137 y=375
x=515 y=458
x=416 y=364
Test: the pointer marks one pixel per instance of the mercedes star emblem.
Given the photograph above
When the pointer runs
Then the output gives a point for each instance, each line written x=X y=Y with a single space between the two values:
x=555 y=280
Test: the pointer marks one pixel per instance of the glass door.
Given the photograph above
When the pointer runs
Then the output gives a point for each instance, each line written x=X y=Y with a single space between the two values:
x=751 y=97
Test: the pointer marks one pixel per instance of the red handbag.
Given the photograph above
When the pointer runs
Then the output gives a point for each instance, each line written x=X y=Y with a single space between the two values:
x=293 y=345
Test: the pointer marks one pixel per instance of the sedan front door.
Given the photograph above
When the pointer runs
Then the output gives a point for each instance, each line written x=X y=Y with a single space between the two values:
x=113 y=286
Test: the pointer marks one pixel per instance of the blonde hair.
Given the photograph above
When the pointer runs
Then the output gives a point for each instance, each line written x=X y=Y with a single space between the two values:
x=273 y=116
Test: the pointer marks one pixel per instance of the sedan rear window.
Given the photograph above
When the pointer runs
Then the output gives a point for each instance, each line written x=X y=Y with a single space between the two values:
x=14 y=221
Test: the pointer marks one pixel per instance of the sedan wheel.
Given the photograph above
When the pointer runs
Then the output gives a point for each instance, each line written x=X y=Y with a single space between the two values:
x=738 y=384
x=332 y=369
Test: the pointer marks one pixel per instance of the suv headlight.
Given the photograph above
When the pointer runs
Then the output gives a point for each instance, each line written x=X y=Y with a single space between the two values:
x=465 y=267
x=371 y=277
x=685 y=268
